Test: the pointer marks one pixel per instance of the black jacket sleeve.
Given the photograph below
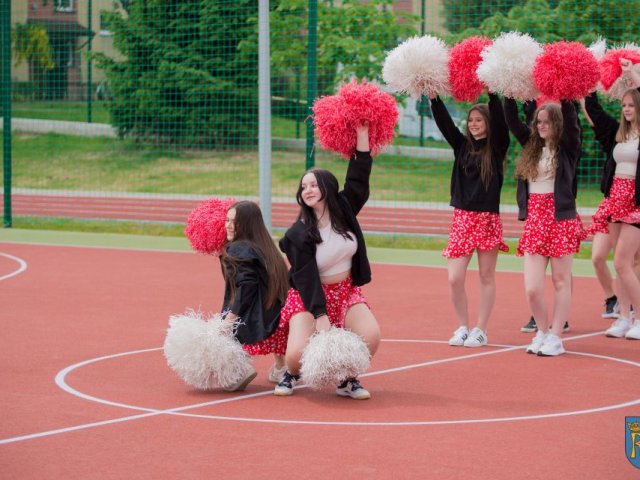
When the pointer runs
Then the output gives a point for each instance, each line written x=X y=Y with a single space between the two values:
x=570 y=129
x=605 y=126
x=445 y=124
x=356 y=185
x=499 y=130
x=519 y=129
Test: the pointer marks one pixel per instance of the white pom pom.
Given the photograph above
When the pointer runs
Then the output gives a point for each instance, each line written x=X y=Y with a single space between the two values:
x=418 y=66
x=204 y=352
x=332 y=356
x=598 y=48
x=507 y=65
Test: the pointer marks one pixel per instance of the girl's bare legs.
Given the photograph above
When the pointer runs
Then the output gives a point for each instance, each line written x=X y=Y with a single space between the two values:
x=487 y=260
x=360 y=320
x=561 y=276
x=301 y=327
x=535 y=267
x=457 y=272
x=627 y=245
x=599 y=253
x=623 y=297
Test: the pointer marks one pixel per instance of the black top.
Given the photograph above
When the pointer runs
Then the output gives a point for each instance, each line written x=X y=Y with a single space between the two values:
x=256 y=322
x=565 y=185
x=300 y=248
x=467 y=189
x=605 y=128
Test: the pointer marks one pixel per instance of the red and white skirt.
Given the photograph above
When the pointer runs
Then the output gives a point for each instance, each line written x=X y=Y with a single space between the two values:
x=600 y=219
x=622 y=204
x=544 y=235
x=339 y=297
x=276 y=343
x=474 y=230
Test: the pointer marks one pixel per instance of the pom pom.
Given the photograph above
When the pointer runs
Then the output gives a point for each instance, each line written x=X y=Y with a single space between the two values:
x=418 y=66
x=204 y=353
x=566 y=71
x=614 y=81
x=464 y=59
x=336 y=118
x=205 y=227
x=598 y=48
x=507 y=65
x=332 y=356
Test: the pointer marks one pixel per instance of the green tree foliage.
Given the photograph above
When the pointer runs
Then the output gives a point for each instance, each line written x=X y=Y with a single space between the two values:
x=183 y=78
x=463 y=14
x=31 y=44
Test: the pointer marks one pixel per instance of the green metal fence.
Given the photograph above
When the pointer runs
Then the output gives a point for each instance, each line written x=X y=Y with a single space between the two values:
x=156 y=99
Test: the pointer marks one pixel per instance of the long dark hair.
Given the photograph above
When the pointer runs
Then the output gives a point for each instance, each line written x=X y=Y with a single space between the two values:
x=527 y=166
x=328 y=185
x=482 y=155
x=250 y=228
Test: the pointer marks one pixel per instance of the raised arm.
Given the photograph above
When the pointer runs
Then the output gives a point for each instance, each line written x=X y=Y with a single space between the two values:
x=499 y=129
x=356 y=184
x=571 y=127
x=519 y=129
x=445 y=124
x=604 y=125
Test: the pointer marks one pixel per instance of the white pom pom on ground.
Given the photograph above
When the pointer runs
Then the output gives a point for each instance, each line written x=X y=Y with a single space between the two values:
x=332 y=356
x=507 y=65
x=204 y=353
x=418 y=66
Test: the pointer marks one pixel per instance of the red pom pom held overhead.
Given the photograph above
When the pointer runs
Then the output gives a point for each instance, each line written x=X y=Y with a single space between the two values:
x=566 y=71
x=337 y=116
x=610 y=69
x=205 y=227
x=464 y=59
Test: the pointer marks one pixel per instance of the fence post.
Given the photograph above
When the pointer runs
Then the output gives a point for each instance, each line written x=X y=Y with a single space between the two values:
x=5 y=93
x=312 y=79
x=264 y=113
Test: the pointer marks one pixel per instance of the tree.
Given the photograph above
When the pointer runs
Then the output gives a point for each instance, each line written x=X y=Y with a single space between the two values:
x=31 y=44
x=463 y=14
x=183 y=79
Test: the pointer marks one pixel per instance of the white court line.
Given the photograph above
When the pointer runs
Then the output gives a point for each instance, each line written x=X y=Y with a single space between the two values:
x=22 y=266
x=180 y=411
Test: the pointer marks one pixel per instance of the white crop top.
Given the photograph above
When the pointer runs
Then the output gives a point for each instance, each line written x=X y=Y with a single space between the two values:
x=334 y=254
x=626 y=156
x=543 y=183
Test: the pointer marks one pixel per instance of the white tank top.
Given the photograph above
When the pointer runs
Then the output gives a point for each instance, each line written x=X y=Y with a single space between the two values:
x=626 y=156
x=334 y=253
x=543 y=183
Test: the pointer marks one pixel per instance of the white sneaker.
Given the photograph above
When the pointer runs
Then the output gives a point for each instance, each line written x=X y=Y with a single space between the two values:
x=634 y=332
x=352 y=388
x=537 y=342
x=459 y=336
x=619 y=328
x=276 y=374
x=551 y=347
x=476 y=338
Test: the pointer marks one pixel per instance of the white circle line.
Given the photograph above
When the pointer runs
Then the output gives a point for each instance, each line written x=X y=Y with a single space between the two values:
x=22 y=266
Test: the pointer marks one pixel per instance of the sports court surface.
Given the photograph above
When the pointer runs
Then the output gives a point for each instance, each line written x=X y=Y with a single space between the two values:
x=86 y=392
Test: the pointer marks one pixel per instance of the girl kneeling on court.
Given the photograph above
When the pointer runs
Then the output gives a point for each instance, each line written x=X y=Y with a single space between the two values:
x=476 y=182
x=546 y=196
x=329 y=263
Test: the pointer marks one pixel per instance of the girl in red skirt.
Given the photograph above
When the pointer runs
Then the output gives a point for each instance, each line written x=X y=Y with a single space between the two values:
x=476 y=183
x=255 y=277
x=620 y=184
x=546 y=195
x=329 y=264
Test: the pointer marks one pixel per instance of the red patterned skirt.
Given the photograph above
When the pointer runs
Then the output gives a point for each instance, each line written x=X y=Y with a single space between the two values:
x=339 y=297
x=474 y=230
x=545 y=236
x=622 y=204
x=600 y=219
x=276 y=343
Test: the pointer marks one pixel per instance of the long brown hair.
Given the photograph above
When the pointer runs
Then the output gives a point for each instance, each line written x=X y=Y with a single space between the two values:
x=482 y=155
x=626 y=128
x=527 y=167
x=250 y=228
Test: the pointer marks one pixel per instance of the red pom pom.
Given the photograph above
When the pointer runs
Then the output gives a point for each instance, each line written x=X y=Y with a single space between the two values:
x=566 y=71
x=464 y=59
x=337 y=116
x=610 y=69
x=205 y=227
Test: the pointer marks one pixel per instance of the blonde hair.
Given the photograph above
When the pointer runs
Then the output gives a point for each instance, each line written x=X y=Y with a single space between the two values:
x=527 y=167
x=626 y=128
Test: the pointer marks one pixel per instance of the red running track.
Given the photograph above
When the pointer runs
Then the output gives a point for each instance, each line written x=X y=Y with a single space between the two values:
x=416 y=221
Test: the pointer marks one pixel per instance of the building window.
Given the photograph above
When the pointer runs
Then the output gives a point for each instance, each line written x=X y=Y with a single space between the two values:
x=63 y=5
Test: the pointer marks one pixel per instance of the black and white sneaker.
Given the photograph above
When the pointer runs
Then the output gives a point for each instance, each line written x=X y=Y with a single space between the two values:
x=530 y=326
x=352 y=388
x=611 y=308
x=285 y=387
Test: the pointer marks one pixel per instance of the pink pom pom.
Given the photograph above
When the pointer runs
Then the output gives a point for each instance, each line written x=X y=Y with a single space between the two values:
x=464 y=59
x=337 y=116
x=205 y=227
x=610 y=69
x=566 y=71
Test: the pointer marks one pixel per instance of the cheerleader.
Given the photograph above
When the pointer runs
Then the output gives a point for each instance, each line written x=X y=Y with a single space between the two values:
x=476 y=183
x=546 y=196
x=328 y=258
x=619 y=139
